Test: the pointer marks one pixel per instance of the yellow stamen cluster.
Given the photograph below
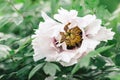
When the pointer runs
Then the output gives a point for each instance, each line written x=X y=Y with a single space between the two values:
x=72 y=37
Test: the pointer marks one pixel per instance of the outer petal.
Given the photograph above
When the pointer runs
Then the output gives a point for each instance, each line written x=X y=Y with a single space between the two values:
x=85 y=21
x=65 y=16
x=94 y=27
x=72 y=61
x=104 y=34
x=46 y=17
x=42 y=49
x=91 y=43
x=42 y=39
x=83 y=47
x=87 y=45
x=46 y=27
x=66 y=56
x=71 y=58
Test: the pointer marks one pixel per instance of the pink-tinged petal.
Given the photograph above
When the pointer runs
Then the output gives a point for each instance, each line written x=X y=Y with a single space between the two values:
x=91 y=43
x=65 y=16
x=104 y=34
x=83 y=47
x=86 y=46
x=72 y=62
x=46 y=17
x=42 y=48
x=66 y=56
x=85 y=21
x=45 y=29
x=42 y=39
x=48 y=27
x=64 y=46
x=58 y=28
x=94 y=27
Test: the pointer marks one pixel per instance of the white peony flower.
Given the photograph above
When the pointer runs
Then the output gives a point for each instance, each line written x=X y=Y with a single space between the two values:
x=69 y=37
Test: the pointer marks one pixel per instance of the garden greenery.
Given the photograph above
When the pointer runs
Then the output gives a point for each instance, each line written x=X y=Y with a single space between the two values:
x=19 y=19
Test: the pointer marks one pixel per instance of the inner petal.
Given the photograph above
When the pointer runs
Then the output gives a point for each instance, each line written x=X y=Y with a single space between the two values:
x=72 y=37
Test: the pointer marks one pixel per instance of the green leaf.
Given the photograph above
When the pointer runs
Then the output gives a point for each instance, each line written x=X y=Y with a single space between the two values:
x=12 y=52
x=84 y=61
x=99 y=61
x=102 y=10
x=1 y=76
x=22 y=72
x=117 y=59
x=34 y=70
x=114 y=76
x=104 y=48
x=111 y=4
x=51 y=68
x=91 y=3
x=54 y=6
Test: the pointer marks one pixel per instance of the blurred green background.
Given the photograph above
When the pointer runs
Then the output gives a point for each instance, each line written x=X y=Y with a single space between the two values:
x=20 y=18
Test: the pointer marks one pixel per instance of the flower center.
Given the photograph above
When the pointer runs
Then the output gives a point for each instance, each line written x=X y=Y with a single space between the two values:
x=72 y=37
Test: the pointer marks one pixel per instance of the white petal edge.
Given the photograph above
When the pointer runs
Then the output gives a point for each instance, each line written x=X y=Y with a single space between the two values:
x=87 y=45
x=46 y=17
x=72 y=62
x=43 y=37
x=94 y=27
x=65 y=16
x=91 y=43
x=86 y=20
x=42 y=49
x=104 y=34
x=66 y=56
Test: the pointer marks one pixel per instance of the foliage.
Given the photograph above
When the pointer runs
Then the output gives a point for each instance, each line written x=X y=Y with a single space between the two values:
x=19 y=19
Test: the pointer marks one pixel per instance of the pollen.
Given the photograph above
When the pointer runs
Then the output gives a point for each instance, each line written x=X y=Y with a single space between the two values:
x=72 y=37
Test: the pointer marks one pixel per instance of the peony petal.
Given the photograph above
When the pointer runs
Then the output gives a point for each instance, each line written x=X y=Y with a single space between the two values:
x=48 y=27
x=86 y=46
x=104 y=34
x=72 y=62
x=83 y=47
x=42 y=39
x=58 y=28
x=65 y=16
x=85 y=21
x=42 y=49
x=66 y=56
x=46 y=17
x=91 y=43
x=94 y=27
